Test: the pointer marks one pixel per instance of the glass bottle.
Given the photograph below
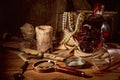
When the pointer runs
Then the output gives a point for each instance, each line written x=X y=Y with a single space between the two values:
x=94 y=31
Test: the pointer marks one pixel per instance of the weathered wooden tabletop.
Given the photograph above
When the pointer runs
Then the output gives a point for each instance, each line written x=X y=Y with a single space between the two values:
x=10 y=64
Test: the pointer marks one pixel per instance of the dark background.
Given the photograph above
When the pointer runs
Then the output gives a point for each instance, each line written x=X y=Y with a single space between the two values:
x=15 y=13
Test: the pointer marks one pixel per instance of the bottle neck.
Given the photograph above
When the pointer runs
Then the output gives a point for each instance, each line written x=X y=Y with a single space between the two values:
x=98 y=9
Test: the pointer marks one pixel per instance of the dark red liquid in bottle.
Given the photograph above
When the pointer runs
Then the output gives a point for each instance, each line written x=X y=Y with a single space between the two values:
x=90 y=37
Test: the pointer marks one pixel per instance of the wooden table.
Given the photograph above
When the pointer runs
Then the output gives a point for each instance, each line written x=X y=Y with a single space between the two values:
x=11 y=63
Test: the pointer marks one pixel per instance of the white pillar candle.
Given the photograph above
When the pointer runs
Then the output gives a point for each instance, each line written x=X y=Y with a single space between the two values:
x=44 y=38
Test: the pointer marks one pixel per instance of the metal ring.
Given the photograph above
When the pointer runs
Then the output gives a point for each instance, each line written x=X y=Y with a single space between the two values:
x=49 y=68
